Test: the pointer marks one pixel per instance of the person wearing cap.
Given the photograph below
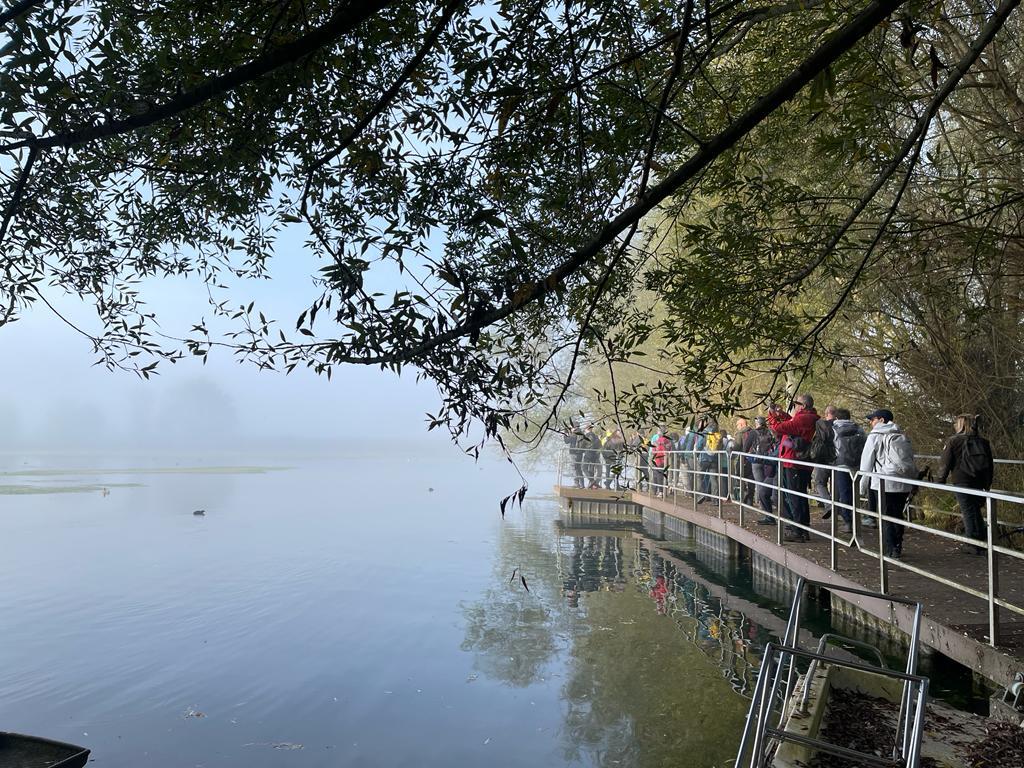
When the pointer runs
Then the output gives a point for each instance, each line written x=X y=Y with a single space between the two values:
x=792 y=428
x=887 y=451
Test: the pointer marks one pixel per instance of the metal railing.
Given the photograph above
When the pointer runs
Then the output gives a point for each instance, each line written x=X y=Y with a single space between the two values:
x=760 y=740
x=718 y=478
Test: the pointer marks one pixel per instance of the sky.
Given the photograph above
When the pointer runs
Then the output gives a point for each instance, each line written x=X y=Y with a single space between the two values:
x=52 y=394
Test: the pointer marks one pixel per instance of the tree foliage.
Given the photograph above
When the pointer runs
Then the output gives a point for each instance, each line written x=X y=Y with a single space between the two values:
x=475 y=178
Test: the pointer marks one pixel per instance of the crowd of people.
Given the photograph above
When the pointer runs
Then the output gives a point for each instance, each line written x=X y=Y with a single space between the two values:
x=789 y=442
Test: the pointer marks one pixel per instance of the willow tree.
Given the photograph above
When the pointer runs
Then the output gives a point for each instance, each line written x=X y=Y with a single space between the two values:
x=494 y=160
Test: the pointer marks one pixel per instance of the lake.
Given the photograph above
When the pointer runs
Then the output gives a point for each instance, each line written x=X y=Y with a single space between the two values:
x=361 y=610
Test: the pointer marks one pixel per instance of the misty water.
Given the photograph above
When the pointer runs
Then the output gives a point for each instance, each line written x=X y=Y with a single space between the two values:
x=356 y=610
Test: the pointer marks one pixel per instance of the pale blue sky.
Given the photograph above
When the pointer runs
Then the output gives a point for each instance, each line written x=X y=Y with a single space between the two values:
x=49 y=380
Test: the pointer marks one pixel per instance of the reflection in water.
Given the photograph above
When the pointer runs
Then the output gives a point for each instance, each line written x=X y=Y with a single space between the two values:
x=729 y=638
x=640 y=692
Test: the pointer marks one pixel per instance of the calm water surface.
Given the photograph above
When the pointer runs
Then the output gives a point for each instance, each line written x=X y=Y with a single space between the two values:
x=338 y=612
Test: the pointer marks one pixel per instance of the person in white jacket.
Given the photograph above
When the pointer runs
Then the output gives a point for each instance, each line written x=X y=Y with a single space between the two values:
x=888 y=452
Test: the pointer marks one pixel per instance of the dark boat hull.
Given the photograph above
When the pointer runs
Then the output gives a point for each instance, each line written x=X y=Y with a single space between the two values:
x=20 y=751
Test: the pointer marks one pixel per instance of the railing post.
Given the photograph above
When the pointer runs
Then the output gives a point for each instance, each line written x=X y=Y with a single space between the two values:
x=718 y=479
x=883 y=567
x=780 y=506
x=739 y=497
x=561 y=456
x=833 y=547
x=855 y=503
x=993 y=575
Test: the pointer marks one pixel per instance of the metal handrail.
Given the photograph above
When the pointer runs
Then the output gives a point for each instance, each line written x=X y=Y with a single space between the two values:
x=757 y=732
x=682 y=474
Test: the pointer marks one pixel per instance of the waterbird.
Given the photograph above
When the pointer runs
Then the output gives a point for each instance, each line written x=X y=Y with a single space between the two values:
x=199 y=512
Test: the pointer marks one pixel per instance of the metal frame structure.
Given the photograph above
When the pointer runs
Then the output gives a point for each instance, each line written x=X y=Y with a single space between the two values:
x=760 y=739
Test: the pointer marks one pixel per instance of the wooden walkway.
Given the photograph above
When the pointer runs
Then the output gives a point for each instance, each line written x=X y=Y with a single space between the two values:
x=954 y=622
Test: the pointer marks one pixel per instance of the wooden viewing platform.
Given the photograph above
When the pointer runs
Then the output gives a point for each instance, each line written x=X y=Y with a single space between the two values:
x=953 y=622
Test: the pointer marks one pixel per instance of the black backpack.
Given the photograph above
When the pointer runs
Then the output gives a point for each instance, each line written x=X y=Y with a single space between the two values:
x=975 y=458
x=764 y=443
x=823 y=445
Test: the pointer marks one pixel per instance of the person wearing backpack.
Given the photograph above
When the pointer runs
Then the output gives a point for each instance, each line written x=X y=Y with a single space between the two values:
x=823 y=451
x=761 y=442
x=746 y=468
x=887 y=451
x=849 y=445
x=795 y=431
x=968 y=457
x=708 y=460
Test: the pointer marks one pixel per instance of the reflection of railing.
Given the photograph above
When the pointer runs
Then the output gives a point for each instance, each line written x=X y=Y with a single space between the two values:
x=719 y=477
x=709 y=623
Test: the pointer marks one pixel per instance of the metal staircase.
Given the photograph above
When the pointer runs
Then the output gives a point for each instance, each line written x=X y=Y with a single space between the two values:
x=777 y=697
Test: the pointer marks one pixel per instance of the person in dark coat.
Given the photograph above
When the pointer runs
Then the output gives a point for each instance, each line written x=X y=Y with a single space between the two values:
x=761 y=441
x=591 y=444
x=746 y=468
x=849 y=443
x=968 y=458
x=573 y=438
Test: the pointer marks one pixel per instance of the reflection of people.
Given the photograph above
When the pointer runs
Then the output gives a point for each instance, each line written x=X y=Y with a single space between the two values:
x=659 y=592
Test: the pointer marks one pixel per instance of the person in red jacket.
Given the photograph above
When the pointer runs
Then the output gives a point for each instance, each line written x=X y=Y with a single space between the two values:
x=795 y=431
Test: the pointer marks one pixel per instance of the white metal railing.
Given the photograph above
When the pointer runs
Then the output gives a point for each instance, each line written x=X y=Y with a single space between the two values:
x=776 y=686
x=692 y=476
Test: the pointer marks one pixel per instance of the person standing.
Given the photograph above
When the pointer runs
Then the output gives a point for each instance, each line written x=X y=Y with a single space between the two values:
x=638 y=446
x=761 y=441
x=888 y=451
x=614 y=457
x=660 y=445
x=849 y=445
x=823 y=451
x=573 y=438
x=591 y=457
x=707 y=460
x=968 y=457
x=746 y=468
x=795 y=431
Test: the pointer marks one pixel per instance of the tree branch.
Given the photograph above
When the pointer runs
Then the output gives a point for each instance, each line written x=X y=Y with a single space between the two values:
x=344 y=19
x=387 y=96
x=828 y=52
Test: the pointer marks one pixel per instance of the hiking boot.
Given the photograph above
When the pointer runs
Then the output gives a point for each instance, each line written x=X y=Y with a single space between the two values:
x=826 y=514
x=794 y=536
x=868 y=522
x=846 y=529
x=766 y=521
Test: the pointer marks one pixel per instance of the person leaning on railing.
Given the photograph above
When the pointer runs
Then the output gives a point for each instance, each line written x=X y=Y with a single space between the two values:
x=968 y=457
